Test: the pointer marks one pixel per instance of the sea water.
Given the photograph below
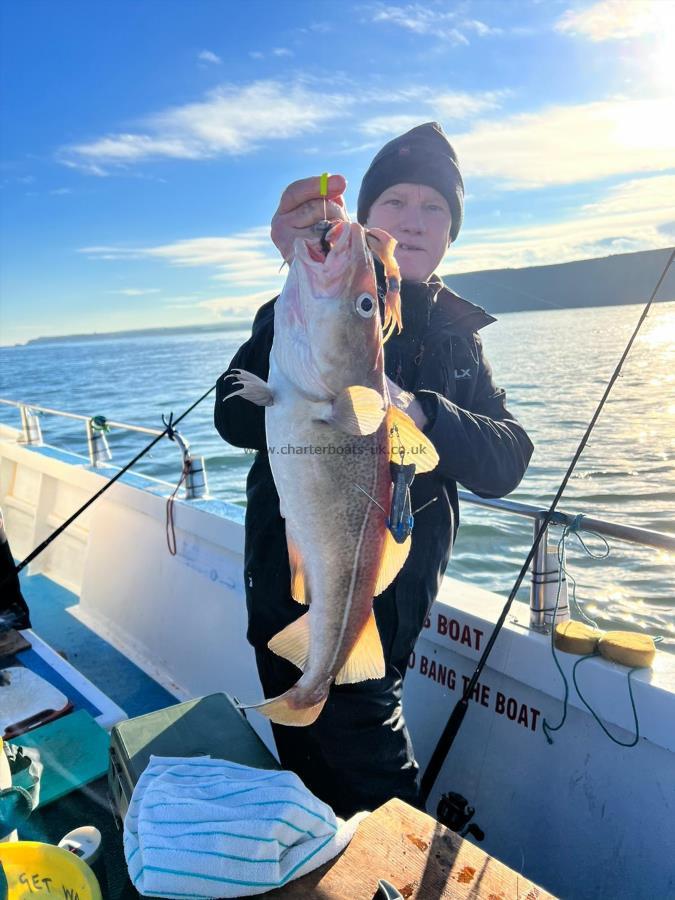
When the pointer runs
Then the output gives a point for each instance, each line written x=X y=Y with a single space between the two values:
x=554 y=365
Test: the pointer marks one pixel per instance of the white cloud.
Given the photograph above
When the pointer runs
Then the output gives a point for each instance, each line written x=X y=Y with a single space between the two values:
x=481 y=29
x=236 y=305
x=242 y=260
x=446 y=107
x=230 y=120
x=458 y=105
x=256 y=54
x=389 y=126
x=571 y=144
x=630 y=216
x=60 y=192
x=210 y=57
x=136 y=292
x=449 y=26
x=618 y=19
x=421 y=21
x=131 y=147
x=282 y=51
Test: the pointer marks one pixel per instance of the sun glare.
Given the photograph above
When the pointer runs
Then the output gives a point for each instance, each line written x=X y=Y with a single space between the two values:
x=662 y=330
x=658 y=61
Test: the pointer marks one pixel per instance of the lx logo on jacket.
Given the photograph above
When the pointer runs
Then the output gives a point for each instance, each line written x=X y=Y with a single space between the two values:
x=462 y=373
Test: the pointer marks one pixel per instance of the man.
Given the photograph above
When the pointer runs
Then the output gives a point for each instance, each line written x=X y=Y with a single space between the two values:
x=358 y=754
x=13 y=609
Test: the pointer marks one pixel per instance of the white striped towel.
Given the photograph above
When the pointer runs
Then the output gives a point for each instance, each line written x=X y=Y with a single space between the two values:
x=203 y=828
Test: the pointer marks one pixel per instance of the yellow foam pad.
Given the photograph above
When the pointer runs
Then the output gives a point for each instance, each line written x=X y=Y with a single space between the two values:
x=628 y=648
x=576 y=637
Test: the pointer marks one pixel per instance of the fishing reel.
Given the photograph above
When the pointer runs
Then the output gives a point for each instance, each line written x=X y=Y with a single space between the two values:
x=455 y=813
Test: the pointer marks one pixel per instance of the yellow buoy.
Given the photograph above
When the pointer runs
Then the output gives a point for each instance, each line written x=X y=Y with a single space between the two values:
x=628 y=648
x=32 y=868
x=576 y=637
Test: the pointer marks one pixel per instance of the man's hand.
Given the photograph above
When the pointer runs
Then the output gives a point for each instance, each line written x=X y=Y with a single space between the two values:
x=301 y=206
x=407 y=402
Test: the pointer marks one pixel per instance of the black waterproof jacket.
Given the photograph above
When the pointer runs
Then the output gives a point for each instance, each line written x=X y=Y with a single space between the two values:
x=479 y=442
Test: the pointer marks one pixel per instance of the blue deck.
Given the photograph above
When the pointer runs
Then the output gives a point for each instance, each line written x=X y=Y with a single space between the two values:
x=127 y=685
x=97 y=660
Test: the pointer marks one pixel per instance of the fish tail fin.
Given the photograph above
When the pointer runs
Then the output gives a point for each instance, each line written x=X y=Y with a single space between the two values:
x=281 y=711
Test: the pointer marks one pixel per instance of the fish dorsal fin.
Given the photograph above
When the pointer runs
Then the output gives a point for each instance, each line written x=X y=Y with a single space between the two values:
x=394 y=556
x=366 y=659
x=299 y=590
x=292 y=642
x=358 y=410
x=405 y=436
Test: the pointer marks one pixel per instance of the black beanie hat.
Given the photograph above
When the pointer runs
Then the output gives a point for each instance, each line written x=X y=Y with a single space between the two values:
x=422 y=155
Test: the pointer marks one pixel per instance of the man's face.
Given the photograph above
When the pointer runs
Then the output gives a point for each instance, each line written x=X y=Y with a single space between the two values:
x=419 y=218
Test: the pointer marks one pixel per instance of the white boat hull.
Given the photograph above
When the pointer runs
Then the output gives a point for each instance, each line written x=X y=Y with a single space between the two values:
x=583 y=817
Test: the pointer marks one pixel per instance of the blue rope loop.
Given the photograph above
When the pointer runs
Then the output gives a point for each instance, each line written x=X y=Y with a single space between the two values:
x=594 y=714
x=574 y=529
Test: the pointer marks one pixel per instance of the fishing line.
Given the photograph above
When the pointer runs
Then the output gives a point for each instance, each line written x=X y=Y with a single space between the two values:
x=575 y=530
x=170 y=427
x=457 y=717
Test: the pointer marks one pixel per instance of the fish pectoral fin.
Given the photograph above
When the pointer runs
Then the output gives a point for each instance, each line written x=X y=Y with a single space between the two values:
x=394 y=556
x=252 y=388
x=366 y=659
x=292 y=642
x=299 y=590
x=281 y=710
x=408 y=444
x=357 y=410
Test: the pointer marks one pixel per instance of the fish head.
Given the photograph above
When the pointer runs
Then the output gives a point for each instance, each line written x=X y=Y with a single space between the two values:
x=327 y=320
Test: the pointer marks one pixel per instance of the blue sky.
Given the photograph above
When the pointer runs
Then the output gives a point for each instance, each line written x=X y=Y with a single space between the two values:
x=144 y=145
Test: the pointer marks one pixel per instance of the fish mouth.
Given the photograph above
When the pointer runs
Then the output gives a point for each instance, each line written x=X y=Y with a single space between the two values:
x=334 y=239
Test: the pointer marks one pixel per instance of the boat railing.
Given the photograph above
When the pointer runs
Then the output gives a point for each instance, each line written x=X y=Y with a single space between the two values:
x=193 y=468
x=548 y=592
x=547 y=589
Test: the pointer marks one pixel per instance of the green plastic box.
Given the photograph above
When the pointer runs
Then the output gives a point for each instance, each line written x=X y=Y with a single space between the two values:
x=209 y=726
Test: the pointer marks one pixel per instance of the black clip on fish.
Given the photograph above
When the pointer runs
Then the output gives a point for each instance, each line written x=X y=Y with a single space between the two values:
x=322 y=228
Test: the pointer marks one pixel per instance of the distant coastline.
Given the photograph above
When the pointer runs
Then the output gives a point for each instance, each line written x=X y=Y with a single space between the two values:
x=234 y=325
x=616 y=280
x=605 y=281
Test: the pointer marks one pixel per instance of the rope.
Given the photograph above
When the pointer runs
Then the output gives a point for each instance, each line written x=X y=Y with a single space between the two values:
x=594 y=714
x=170 y=524
x=574 y=529
x=31 y=556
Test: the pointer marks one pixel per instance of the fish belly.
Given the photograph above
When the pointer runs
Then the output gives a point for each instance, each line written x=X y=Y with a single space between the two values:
x=320 y=474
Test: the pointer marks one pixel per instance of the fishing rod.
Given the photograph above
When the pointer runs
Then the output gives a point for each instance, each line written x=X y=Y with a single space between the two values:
x=454 y=723
x=169 y=430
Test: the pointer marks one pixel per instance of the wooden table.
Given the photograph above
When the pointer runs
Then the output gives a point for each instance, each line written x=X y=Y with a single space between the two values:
x=422 y=858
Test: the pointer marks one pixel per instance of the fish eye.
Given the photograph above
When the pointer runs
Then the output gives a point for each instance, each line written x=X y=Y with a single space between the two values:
x=365 y=306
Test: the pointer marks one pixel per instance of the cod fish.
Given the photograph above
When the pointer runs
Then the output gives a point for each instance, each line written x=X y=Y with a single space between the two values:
x=331 y=433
